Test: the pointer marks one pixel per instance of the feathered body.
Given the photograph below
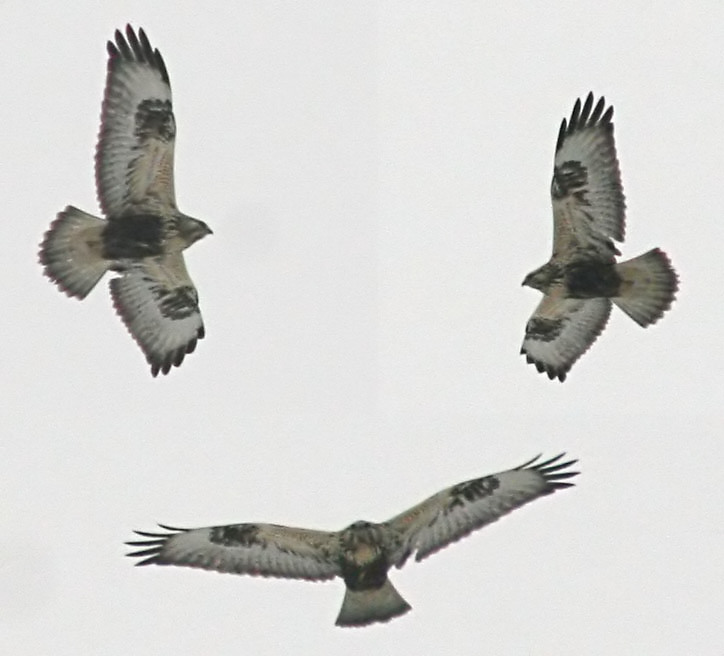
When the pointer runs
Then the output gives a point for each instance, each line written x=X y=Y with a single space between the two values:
x=143 y=234
x=363 y=553
x=582 y=277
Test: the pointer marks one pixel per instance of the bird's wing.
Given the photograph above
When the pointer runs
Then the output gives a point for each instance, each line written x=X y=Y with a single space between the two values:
x=561 y=330
x=588 y=202
x=159 y=305
x=256 y=549
x=461 y=509
x=134 y=155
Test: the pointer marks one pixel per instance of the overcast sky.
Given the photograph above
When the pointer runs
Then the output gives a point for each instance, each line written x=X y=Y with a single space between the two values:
x=377 y=178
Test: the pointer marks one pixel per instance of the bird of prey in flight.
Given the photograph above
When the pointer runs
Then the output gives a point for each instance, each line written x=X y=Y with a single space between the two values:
x=363 y=553
x=582 y=276
x=143 y=235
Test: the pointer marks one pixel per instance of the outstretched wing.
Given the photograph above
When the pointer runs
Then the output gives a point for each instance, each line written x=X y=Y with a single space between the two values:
x=458 y=510
x=134 y=156
x=588 y=201
x=159 y=305
x=256 y=549
x=561 y=330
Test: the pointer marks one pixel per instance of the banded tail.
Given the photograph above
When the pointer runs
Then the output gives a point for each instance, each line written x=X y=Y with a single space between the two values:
x=361 y=607
x=648 y=288
x=72 y=252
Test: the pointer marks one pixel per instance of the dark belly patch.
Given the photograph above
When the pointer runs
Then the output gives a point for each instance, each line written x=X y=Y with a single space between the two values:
x=133 y=237
x=368 y=577
x=592 y=280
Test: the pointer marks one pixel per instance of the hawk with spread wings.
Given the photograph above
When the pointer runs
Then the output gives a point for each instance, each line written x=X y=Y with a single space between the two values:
x=582 y=276
x=362 y=553
x=144 y=234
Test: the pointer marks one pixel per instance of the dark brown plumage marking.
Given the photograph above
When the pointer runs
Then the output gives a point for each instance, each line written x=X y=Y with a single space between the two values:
x=545 y=330
x=568 y=177
x=473 y=490
x=592 y=279
x=133 y=237
x=369 y=577
x=154 y=119
x=242 y=535
x=177 y=303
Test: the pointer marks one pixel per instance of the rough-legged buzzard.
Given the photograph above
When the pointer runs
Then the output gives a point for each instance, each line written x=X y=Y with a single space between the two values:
x=363 y=553
x=143 y=234
x=582 y=276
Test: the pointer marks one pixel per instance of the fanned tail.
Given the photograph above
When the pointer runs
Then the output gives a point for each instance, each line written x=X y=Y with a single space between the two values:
x=72 y=252
x=648 y=288
x=362 y=607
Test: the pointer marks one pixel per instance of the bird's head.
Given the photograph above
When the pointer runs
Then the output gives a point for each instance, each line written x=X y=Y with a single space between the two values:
x=363 y=543
x=362 y=531
x=191 y=230
x=540 y=279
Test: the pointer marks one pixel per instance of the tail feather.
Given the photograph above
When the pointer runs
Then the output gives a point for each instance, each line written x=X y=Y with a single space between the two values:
x=72 y=252
x=362 y=607
x=649 y=286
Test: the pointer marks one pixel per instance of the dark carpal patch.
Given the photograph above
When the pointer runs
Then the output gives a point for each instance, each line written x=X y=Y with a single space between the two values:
x=592 y=279
x=470 y=491
x=239 y=535
x=176 y=303
x=567 y=177
x=543 y=329
x=133 y=237
x=154 y=119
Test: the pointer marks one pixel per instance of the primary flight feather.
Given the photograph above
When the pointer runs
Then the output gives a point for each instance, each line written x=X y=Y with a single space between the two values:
x=144 y=233
x=582 y=276
x=362 y=553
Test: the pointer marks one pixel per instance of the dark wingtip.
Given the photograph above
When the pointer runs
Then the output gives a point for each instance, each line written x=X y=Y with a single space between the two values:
x=561 y=134
x=553 y=470
x=121 y=47
x=137 y=47
x=176 y=529
x=544 y=368
x=584 y=114
x=527 y=463
x=152 y=545
x=586 y=109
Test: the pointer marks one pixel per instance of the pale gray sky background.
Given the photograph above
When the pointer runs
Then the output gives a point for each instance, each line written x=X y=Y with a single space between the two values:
x=377 y=177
